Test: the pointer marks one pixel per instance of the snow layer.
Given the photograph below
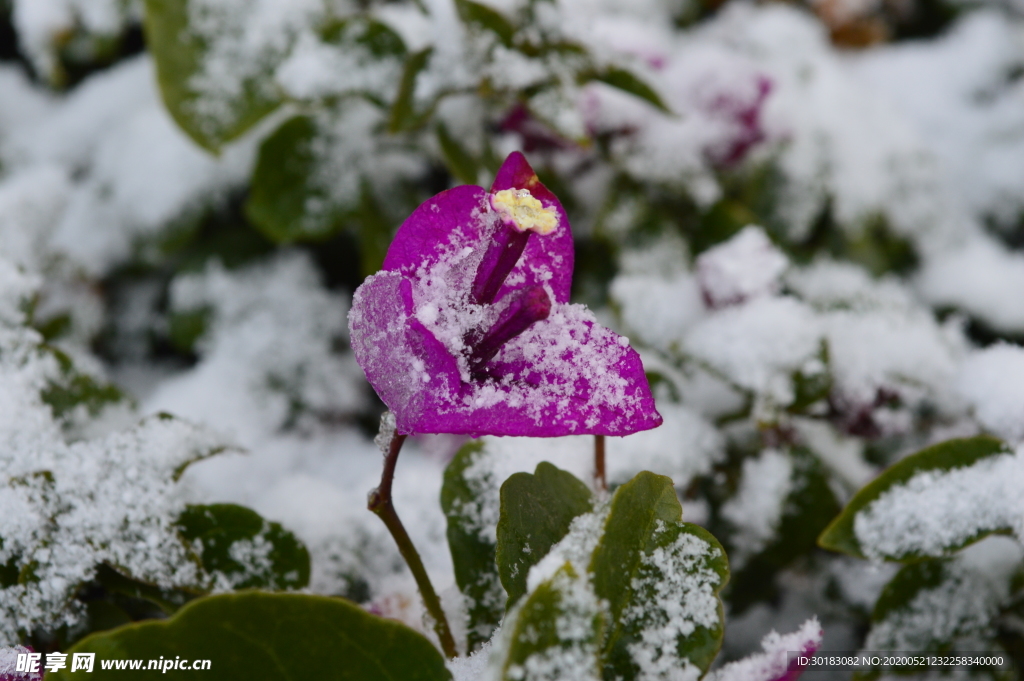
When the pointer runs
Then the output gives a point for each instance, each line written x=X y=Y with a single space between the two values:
x=936 y=511
x=745 y=266
x=992 y=381
x=959 y=609
x=136 y=173
x=756 y=509
x=758 y=345
x=267 y=354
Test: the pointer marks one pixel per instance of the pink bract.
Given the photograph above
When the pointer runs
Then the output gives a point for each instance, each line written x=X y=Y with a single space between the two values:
x=416 y=329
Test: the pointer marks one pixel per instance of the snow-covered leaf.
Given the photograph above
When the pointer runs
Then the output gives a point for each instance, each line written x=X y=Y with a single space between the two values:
x=946 y=604
x=661 y=578
x=472 y=548
x=214 y=70
x=120 y=492
x=240 y=550
x=488 y=18
x=554 y=633
x=933 y=502
x=285 y=200
x=536 y=512
x=254 y=635
x=808 y=506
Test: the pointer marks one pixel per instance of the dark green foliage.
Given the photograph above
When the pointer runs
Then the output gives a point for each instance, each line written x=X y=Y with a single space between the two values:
x=283 y=636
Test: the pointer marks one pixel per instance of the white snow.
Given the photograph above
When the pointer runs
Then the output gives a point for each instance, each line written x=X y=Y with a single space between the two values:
x=746 y=266
x=992 y=381
x=758 y=344
x=959 y=609
x=925 y=137
x=935 y=511
x=772 y=663
x=756 y=508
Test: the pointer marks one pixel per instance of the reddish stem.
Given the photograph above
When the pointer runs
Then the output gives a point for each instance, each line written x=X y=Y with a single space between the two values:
x=380 y=503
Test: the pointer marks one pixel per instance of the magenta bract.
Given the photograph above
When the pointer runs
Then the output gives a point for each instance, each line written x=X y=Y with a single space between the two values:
x=468 y=328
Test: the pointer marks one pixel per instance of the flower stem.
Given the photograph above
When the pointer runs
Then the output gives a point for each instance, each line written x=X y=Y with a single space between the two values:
x=600 y=478
x=380 y=503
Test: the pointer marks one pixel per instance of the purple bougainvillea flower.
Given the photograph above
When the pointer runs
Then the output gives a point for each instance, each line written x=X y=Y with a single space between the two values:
x=468 y=328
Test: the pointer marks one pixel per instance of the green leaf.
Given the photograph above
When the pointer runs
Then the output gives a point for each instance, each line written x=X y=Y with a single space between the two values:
x=473 y=553
x=557 y=628
x=658 y=574
x=403 y=111
x=474 y=13
x=186 y=327
x=945 y=456
x=536 y=511
x=257 y=635
x=285 y=202
x=74 y=388
x=460 y=162
x=628 y=82
x=168 y=600
x=942 y=605
x=181 y=53
x=238 y=544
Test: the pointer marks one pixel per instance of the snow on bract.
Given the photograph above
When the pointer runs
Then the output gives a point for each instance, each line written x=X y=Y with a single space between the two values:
x=774 y=664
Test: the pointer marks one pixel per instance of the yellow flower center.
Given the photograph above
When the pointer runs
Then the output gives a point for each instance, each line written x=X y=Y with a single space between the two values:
x=520 y=208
